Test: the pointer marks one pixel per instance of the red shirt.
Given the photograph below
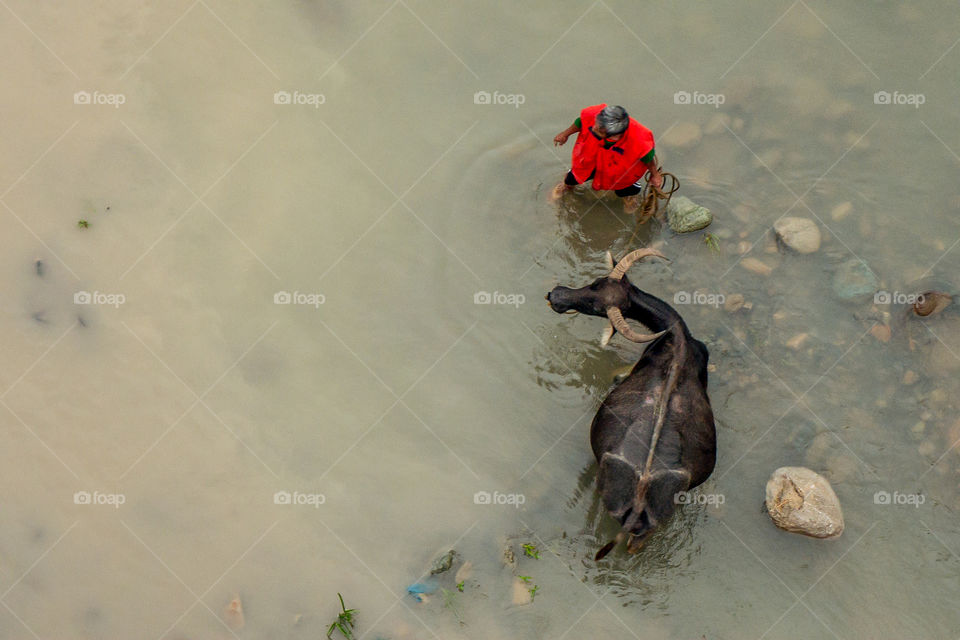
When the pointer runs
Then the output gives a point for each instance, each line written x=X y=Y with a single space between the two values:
x=617 y=167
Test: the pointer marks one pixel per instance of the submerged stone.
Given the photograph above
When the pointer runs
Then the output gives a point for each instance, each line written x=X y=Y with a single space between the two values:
x=854 y=280
x=684 y=215
x=800 y=234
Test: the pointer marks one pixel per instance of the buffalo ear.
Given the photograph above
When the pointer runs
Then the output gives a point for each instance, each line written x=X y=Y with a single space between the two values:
x=608 y=260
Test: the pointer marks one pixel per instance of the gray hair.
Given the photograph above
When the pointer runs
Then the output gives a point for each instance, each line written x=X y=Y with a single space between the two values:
x=613 y=119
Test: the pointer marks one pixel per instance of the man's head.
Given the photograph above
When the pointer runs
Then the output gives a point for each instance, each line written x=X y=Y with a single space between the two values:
x=612 y=121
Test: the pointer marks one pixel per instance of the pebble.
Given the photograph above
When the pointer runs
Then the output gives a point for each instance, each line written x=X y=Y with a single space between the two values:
x=734 y=302
x=743 y=247
x=881 y=332
x=841 y=211
x=909 y=377
x=754 y=265
x=800 y=234
x=854 y=280
x=796 y=342
x=802 y=501
x=682 y=135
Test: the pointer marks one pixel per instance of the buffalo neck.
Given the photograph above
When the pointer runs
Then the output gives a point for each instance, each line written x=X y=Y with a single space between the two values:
x=651 y=311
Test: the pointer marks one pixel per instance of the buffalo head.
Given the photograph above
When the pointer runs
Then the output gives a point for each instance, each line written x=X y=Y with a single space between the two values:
x=606 y=296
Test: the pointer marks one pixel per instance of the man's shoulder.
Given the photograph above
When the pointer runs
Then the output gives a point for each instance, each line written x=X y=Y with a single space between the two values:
x=592 y=110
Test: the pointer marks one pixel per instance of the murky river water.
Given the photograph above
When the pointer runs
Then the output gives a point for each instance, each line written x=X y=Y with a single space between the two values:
x=297 y=211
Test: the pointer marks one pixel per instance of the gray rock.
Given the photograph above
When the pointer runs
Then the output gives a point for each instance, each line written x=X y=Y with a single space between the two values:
x=801 y=501
x=800 y=234
x=684 y=215
x=854 y=280
x=443 y=563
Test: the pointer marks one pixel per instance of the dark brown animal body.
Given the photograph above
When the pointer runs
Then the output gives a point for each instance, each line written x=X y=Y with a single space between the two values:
x=654 y=435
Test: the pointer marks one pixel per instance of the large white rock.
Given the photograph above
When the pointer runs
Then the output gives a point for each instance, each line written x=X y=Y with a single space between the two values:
x=802 y=501
x=800 y=234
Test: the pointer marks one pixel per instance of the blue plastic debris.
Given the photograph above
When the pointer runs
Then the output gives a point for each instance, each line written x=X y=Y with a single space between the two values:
x=419 y=589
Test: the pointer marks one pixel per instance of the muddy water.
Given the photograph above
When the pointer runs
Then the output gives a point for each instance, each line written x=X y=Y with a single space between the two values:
x=189 y=402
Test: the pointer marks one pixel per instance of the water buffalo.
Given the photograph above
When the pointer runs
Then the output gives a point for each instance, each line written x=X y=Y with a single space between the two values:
x=654 y=435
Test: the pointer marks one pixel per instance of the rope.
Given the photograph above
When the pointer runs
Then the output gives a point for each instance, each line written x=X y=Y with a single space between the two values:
x=651 y=196
x=650 y=199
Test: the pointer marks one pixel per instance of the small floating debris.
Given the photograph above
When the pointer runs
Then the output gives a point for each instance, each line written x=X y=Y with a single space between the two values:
x=83 y=224
x=40 y=267
x=233 y=614
x=420 y=590
x=509 y=558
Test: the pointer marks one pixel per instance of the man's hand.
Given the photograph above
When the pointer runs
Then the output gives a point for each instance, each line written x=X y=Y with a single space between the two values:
x=561 y=138
x=656 y=179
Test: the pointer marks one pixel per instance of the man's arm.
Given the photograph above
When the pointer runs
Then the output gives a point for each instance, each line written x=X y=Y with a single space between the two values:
x=650 y=162
x=561 y=138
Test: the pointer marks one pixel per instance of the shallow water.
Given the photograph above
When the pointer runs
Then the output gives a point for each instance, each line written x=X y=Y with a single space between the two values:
x=395 y=202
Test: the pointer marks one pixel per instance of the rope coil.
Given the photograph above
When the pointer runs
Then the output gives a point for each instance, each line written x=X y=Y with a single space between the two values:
x=651 y=196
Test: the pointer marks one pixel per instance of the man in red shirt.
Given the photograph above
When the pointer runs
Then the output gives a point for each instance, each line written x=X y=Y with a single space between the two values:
x=613 y=150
